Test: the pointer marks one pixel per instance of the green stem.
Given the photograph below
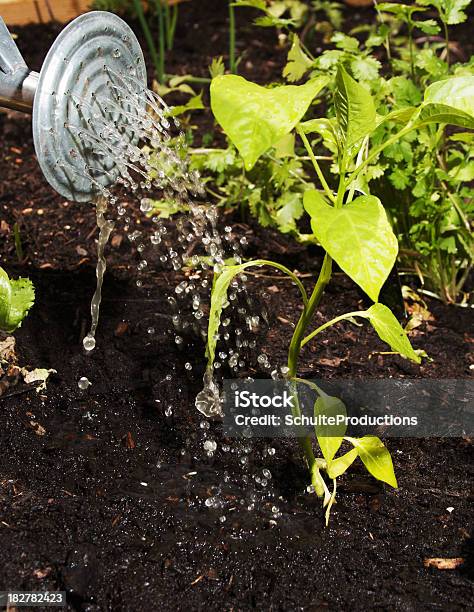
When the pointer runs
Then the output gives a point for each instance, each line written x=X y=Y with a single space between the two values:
x=282 y=268
x=174 y=21
x=374 y=154
x=232 y=59
x=293 y=355
x=412 y=58
x=446 y=38
x=147 y=33
x=348 y=315
x=162 y=41
x=317 y=168
x=307 y=314
x=167 y=22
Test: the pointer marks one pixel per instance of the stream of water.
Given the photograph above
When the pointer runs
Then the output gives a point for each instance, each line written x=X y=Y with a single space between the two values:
x=145 y=155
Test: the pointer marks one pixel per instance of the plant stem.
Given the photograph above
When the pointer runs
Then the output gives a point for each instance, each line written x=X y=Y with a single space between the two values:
x=174 y=21
x=378 y=150
x=147 y=33
x=161 y=42
x=317 y=168
x=293 y=355
x=232 y=59
x=348 y=315
x=307 y=314
x=446 y=38
x=412 y=58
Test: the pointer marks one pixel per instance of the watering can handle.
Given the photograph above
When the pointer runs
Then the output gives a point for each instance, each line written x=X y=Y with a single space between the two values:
x=17 y=82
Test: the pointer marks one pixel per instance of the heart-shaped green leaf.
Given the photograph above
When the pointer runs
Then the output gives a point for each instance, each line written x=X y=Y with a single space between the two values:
x=357 y=236
x=449 y=101
x=355 y=108
x=256 y=118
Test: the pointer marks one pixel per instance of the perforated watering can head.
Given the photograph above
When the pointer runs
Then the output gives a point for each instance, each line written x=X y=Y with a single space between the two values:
x=78 y=87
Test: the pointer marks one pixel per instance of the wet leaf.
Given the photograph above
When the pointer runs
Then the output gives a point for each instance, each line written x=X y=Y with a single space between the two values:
x=338 y=466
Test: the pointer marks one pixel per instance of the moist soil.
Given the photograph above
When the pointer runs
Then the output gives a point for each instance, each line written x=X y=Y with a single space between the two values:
x=102 y=495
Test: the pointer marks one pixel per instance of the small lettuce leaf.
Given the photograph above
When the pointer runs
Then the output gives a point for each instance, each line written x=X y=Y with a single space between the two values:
x=16 y=298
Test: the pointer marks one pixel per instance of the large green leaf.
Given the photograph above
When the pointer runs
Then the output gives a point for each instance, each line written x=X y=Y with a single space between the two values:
x=376 y=458
x=357 y=236
x=329 y=436
x=449 y=101
x=355 y=108
x=256 y=118
x=16 y=298
x=390 y=331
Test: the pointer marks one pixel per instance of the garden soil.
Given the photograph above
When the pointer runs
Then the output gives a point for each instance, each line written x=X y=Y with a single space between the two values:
x=102 y=494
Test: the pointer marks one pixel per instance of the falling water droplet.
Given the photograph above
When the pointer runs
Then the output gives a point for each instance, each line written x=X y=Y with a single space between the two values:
x=84 y=383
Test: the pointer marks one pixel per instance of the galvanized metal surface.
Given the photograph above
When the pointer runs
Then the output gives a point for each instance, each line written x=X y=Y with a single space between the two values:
x=76 y=91
x=75 y=83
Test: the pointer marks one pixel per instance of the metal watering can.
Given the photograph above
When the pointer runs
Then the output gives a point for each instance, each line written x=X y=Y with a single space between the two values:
x=79 y=75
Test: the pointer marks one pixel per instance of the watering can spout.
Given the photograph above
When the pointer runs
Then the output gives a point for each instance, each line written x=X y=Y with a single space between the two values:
x=17 y=82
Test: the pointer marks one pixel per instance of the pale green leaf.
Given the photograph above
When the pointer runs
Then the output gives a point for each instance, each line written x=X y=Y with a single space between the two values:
x=256 y=118
x=290 y=210
x=195 y=103
x=451 y=11
x=355 y=109
x=16 y=298
x=449 y=101
x=285 y=147
x=357 y=236
x=329 y=436
x=338 y=466
x=376 y=458
x=298 y=62
x=390 y=331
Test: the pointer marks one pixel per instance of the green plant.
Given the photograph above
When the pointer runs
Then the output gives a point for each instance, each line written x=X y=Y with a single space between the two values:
x=166 y=15
x=16 y=298
x=425 y=176
x=272 y=191
x=232 y=55
x=354 y=231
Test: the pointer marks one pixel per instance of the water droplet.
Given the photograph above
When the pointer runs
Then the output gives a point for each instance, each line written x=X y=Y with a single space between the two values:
x=84 y=383
x=89 y=343
x=210 y=446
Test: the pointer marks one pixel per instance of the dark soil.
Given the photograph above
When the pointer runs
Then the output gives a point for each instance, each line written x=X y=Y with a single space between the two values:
x=75 y=513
